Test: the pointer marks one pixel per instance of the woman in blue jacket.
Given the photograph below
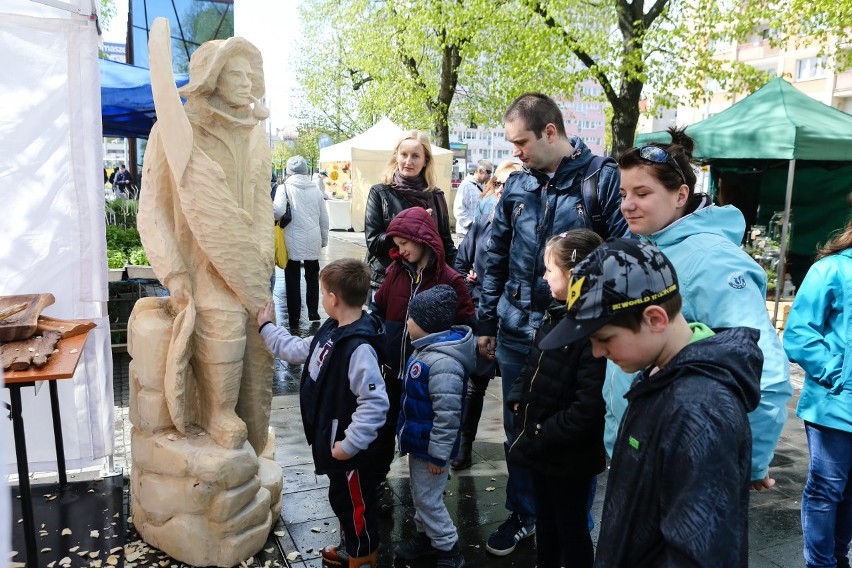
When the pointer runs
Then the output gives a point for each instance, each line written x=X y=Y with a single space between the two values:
x=720 y=284
x=817 y=338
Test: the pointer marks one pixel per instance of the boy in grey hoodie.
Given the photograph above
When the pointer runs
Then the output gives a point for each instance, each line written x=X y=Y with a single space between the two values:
x=430 y=417
x=343 y=402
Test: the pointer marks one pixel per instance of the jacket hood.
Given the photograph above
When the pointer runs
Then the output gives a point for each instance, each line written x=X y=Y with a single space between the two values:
x=738 y=370
x=415 y=224
x=727 y=222
x=456 y=342
x=301 y=181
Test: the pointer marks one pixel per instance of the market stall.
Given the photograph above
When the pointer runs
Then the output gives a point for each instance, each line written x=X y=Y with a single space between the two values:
x=795 y=154
x=364 y=158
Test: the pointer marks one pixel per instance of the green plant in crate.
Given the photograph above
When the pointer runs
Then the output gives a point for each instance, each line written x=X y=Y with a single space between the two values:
x=119 y=238
x=138 y=257
x=116 y=258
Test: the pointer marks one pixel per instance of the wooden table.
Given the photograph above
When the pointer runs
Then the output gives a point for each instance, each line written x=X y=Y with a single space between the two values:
x=59 y=366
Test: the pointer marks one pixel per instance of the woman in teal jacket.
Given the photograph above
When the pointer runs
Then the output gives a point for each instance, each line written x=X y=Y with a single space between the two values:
x=817 y=338
x=720 y=284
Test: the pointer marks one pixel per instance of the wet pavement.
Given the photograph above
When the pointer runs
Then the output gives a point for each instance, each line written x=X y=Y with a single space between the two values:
x=474 y=497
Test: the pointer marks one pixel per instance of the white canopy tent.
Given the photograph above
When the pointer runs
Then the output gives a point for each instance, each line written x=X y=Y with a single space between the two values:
x=369 y=153
x=52 y=233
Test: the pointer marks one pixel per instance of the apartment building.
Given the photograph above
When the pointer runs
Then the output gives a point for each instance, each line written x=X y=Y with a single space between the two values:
x=802 y=65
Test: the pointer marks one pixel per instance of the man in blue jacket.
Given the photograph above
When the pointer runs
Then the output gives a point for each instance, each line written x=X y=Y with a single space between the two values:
x=542 y=200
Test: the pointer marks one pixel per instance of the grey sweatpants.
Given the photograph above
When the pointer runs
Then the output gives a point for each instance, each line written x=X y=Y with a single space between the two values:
x=427 y=492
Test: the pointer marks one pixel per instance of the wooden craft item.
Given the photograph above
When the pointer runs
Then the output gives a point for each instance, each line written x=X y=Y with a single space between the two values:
x=22 y=322
x=68 y=328
x=19 y=355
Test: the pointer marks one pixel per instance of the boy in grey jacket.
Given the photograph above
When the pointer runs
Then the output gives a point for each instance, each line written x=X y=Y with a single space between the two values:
x=430 y=417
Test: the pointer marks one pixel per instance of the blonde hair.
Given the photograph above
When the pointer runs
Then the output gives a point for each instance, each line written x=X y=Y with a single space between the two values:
x=509 y=165
x=428 y=169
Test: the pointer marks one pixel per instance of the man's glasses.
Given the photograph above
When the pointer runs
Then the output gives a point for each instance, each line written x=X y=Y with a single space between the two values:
x=487 y=172
x=657 y=155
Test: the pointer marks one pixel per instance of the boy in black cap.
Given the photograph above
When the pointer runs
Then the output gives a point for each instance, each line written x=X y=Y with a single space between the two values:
x=430 y=417
x=677 y=492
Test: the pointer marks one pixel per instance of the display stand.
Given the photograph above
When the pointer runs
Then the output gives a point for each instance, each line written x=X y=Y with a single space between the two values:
x=60 y=366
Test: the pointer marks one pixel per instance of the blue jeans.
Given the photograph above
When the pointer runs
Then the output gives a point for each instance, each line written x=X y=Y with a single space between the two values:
x=827 y=498
x=519 y=494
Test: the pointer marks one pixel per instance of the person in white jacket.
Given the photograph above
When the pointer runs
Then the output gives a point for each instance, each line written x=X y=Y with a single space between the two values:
x=468 y=195
x=305 y=235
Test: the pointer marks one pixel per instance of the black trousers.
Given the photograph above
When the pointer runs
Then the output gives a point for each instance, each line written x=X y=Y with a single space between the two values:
x=293 y=282
x=355 y=502
x=561 y=522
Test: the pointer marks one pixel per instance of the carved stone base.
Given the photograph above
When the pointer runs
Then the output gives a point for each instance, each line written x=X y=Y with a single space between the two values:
x=198 y=502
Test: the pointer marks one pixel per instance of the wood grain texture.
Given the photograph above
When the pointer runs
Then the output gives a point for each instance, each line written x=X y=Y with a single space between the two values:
x=24 y=323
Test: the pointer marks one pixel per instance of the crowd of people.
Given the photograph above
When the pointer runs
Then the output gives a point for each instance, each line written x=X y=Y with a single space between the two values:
x=632 y=327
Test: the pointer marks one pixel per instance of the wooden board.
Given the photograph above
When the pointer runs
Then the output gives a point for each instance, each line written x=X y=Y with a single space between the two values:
x=60 y=365
x=24 y=323
x=68 y=328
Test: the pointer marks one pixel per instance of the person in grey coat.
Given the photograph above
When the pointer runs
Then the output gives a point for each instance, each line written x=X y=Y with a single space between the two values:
x=306 y=234
x=430 y=417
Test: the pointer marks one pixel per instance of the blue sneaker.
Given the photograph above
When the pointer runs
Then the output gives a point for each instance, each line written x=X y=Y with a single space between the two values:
x=507 y=536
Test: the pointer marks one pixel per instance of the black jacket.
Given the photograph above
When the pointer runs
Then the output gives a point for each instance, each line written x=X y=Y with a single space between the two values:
x=559 y=424
x=677 y=491
x=327 y=404
x=383 y=204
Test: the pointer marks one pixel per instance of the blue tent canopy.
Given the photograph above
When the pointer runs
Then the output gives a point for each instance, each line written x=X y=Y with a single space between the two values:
x=127 y=105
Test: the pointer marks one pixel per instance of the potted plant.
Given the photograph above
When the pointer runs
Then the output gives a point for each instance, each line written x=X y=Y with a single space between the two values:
x=116 y=259
x=139 y=267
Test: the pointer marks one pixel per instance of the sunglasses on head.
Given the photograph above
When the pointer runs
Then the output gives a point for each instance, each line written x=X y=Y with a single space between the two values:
x=657 y=155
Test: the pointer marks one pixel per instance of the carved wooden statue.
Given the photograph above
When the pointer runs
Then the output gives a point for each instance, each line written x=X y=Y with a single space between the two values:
x=200 y=371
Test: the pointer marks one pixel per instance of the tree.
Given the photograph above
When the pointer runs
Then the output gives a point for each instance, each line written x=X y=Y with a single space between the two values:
x=305 y=144
x=424 y=62
x=108 y=11
x=411 y=61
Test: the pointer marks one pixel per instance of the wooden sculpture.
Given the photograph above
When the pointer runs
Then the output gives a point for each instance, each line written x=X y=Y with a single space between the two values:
x=205 y=487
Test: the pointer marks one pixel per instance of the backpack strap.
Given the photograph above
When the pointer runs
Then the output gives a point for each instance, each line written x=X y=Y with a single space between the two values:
x=591 y=195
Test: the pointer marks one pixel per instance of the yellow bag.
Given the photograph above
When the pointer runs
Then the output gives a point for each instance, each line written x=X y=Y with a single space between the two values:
x=280 y=248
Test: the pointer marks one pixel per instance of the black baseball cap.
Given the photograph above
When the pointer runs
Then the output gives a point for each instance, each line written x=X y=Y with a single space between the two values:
x=619 y=276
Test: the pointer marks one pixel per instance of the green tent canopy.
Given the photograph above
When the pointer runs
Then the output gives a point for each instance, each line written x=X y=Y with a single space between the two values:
x=783 y=151
x=776 y=122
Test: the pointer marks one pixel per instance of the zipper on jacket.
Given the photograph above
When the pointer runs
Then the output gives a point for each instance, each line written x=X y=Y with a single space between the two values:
x=402 y=406
x=415 y=285
x=527 y=406
x=582 y=213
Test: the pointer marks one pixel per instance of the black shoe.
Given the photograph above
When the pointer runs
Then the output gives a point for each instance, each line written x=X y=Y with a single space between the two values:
x=464 y=460
x=451 y=558
x=415 y=547
x=314 y=316
x=503 y=541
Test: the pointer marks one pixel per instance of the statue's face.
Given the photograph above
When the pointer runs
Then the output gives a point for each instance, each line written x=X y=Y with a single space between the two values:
x=234 y=83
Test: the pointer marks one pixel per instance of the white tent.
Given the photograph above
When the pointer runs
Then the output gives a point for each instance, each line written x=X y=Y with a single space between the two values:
x=369 y=153
x=52 y=232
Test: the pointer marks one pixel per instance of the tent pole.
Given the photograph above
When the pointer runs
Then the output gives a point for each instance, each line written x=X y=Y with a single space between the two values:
x=785 y=230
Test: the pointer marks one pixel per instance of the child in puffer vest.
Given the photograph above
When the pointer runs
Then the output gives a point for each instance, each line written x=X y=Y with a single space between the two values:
x=430 y=418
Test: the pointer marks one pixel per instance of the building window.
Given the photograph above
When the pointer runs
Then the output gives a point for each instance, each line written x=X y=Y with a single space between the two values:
x=810 y=68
